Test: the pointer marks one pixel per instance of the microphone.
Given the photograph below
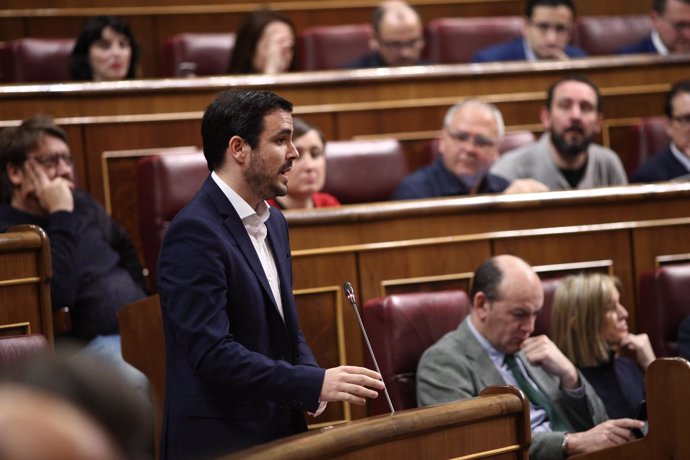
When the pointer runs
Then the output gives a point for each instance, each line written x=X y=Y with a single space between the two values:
x=350 y=294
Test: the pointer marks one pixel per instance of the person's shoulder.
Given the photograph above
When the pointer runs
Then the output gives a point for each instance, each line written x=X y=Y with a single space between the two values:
x=646 y=45
x=659 y=167
x=325 y=200
x=415 y=185
x=512 y=50
x=603 y=153
x=368 y=60
x=575 y=52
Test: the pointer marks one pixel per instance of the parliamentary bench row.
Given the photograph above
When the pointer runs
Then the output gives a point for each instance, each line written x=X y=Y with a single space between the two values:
x=34 y=59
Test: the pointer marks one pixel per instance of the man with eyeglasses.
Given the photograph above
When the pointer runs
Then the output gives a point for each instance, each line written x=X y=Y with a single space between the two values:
x=670 y=29
x=468 y=146
x=566 y=157
x=95 y=268
x=674 y=161
x=494 y=345
x=398 y=38
x=546 y=34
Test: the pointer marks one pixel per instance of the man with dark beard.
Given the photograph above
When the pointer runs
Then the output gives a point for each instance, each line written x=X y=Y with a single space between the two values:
x=239 y=370
x=565 y=157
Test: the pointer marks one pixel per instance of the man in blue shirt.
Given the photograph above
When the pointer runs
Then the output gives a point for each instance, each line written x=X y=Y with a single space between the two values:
x=546 y=35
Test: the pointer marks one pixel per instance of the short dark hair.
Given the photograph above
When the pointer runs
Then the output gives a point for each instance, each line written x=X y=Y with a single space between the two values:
x=531 y=4
x=660 y=5
x=301 y=127
x=92 y=31
x=487 y=279
x=238 y=112
x=573 y=77
x=248 y=36
x=679 y=87
x=17 y=141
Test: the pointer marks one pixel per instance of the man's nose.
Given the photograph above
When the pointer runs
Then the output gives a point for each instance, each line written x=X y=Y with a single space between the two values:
x=292 y=153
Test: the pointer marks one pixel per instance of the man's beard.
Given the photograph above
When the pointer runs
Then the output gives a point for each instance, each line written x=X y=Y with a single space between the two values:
x=570 y=149
x=260 y=181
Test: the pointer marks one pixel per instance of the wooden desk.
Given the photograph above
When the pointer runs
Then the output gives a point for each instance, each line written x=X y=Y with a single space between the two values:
x=408 y=104
x=668 y=407
x=494 y=425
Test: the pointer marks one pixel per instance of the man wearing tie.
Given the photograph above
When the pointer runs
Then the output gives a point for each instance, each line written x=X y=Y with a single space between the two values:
x=493 y=346
x=239 y=371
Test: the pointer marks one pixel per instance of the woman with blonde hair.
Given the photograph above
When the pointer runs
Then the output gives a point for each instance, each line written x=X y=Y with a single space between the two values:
x=589 y=325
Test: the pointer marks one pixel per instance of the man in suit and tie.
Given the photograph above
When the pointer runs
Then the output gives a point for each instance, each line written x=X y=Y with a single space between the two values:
x=493 y=346
x=670 y=30
x=239 y=371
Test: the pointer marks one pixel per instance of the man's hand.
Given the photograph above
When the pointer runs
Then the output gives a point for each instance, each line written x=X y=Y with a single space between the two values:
x=526 y=186
x=606 y=434
x=639 y=348
x=541 y=351
x=52 y=195
x=351 y=384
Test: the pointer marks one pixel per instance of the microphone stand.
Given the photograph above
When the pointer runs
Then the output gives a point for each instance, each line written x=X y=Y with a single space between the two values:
x=350 y=294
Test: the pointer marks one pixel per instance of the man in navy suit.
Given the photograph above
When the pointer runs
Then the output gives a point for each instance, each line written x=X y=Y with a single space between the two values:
x=398 y=38
x=674 y=161
x=545 y=35
x=670 y=29
x=239 y=371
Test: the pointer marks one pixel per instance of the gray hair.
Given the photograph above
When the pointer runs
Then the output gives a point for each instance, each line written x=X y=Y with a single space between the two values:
x=498 y=117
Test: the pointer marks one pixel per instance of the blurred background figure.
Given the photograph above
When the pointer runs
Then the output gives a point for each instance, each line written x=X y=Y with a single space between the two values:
x=105 y=50
x=589 y=325
x=398 y=37
x=670 y=29
x=72 y=406
x=308 y=174
x=265 y=44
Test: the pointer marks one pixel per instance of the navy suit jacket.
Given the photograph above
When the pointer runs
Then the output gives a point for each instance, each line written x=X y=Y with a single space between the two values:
x=643 y=46
x=514 y=50
x=237 y=374
x=661 y=166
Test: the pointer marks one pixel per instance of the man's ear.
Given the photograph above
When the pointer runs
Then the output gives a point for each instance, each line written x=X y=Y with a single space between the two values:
x=600 y=123
x=15 y=174
x=480 y=304
x=545 y=117
x=238 y=149
x=373 y=43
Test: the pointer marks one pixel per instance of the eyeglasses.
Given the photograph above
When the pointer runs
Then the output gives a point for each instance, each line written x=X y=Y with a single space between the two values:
x=682 y=119
x=479 y=141
x=544 y=27
x=52 y=160
x=399 y=46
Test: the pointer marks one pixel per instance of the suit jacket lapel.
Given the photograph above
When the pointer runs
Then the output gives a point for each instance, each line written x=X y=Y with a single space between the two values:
x=239 y=234
x=487 y=374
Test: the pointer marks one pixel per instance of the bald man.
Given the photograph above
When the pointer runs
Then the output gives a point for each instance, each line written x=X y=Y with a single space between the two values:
x=398 y=38
x=493 y=346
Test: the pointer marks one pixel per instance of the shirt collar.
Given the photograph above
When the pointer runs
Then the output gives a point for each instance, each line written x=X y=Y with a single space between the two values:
x=680 y=156
x=659 y=45
x=496 y=356
x=529 y=52
x=244 y=210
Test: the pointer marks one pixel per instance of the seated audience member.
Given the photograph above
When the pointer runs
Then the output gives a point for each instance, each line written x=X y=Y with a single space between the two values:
x=684 y=338
x=95 y=267
x=398 y=37
x=670 y=29
x=565 y=156
x=105 y=50
x=468 y=145
x=492 y=346
x=265 y=44
x=590 y=327
x=93 y=388
x=546 y=34
x=308 y=173
x=674 y=161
